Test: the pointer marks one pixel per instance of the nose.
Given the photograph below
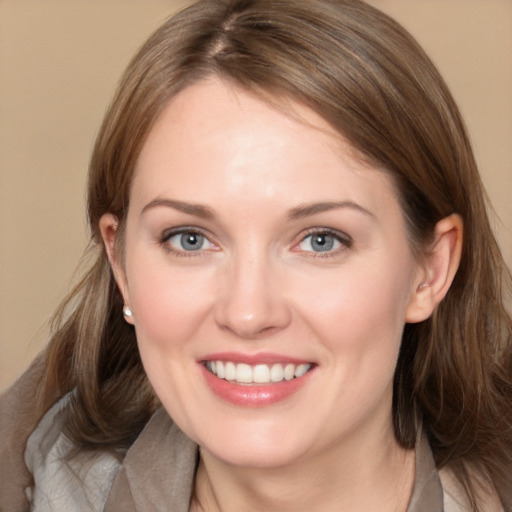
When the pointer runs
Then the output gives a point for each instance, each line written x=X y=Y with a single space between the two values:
x=251 y=303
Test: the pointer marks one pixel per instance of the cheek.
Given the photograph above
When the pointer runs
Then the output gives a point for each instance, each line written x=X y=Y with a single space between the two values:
x=169 y=307
x=362 y=298
x=168 y=303
x=359 y=316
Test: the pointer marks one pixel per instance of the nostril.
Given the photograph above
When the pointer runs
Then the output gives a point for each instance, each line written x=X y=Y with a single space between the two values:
x=249 y=331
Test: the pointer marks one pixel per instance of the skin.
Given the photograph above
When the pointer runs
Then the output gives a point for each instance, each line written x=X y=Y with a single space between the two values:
x=259 y=285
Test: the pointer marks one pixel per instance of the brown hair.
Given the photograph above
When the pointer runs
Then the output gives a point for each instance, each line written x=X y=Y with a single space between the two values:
x=371 y=81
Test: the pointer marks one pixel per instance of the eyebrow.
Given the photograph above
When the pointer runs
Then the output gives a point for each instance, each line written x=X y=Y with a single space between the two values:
x=197 y=210
x=299 y=212
x=308 y=210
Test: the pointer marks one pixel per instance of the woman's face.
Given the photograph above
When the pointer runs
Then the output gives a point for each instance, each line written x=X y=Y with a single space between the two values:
x=270 y=277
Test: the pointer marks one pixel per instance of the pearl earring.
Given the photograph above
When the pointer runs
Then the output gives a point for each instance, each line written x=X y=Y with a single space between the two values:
x=127 y=311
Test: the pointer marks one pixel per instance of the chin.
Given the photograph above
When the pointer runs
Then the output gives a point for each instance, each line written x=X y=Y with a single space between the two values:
x=255 y=456
x=256 y=445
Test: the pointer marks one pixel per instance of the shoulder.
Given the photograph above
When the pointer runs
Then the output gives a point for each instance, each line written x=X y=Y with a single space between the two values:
x=41 y=469
x=36 y=466
x=456 y=500
x=66 y=479
x=18 y=418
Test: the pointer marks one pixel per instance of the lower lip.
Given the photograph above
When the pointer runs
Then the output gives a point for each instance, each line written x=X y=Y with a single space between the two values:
x=247 y=395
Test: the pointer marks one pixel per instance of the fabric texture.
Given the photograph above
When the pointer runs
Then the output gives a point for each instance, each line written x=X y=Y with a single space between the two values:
x=37 y=474
x=18 y=418
x=77 y=484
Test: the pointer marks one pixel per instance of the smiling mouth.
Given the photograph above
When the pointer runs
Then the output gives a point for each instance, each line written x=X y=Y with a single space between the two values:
x=242 y=373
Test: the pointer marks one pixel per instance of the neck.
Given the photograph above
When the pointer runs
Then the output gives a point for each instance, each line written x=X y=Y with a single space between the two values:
x=353 y=476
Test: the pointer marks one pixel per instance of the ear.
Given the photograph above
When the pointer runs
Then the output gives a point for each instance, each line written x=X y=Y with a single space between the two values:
x=436 y=276
x=109 y=230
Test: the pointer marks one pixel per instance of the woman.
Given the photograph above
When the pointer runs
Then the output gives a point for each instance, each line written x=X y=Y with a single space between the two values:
x=292 y=260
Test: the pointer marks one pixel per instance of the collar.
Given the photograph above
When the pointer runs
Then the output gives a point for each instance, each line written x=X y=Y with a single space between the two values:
x=427 y=493
x=158 y=470
x=152 y=481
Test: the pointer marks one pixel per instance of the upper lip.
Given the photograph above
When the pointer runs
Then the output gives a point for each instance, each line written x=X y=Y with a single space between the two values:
x=254 y=359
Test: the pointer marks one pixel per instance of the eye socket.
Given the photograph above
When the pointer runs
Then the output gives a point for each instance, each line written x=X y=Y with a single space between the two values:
x=324 y=242
x=186 y=241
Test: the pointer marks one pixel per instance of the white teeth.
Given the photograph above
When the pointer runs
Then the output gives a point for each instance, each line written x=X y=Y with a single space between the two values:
x=289 y=371
x=276 y=373
x=230 y=371
x=243 y=373
x=302 y=369
x=260 y=373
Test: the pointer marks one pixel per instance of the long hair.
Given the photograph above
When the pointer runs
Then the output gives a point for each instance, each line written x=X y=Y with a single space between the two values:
x=367 y=77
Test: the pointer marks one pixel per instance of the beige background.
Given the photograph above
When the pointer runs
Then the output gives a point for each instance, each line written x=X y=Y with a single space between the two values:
x=59 y=63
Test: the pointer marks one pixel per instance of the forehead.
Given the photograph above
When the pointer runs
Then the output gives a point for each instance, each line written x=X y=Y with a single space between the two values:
x=216 y=142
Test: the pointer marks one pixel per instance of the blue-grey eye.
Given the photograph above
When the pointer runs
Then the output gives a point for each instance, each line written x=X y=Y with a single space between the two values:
x=189 y=241
x=320 y=242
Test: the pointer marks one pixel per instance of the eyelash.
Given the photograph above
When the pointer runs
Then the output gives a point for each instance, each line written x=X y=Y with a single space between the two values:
x=343 y=239
x=164 y=241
